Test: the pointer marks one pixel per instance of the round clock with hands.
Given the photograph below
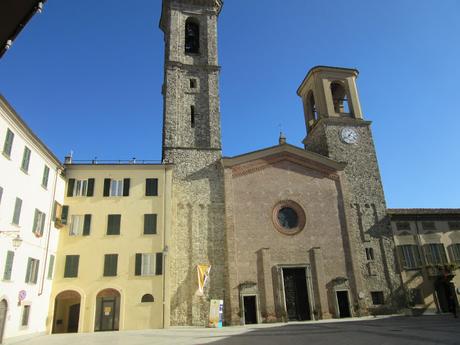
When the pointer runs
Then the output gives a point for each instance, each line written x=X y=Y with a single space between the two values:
x=349 y=135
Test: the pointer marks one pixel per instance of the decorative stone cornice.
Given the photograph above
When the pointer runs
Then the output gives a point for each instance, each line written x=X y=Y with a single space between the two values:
x=177 y=64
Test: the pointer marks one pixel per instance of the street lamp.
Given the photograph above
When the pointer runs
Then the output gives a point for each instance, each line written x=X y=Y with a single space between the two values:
x=17 y=241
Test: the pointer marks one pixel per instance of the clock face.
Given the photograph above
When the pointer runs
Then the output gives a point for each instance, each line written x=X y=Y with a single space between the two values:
x=349 y=135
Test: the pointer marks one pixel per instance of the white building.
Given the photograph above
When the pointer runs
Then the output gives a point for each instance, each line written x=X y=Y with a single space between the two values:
x=30 y=183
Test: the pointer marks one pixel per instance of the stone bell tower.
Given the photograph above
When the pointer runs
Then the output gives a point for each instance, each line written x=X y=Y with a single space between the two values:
x=336 y=129
x=192 y=142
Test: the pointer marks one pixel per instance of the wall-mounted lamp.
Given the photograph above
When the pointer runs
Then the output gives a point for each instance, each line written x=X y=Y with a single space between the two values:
x=17 y=241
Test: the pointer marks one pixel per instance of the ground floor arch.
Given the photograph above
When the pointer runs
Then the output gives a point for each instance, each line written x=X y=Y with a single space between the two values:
x=107 y=316
x=66 y=317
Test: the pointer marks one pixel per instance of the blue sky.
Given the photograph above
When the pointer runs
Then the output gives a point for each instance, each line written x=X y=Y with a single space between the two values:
x=86 y=76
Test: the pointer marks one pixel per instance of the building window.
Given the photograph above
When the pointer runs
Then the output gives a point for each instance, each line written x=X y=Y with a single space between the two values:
x=17 y=211
x=113 y=224
x=151 y=187
x=8 y=145
x=50 y=267
x=435 y=254
x=193 y=83
x=147 y=298
x=110 y=265
x=32 y=271
x=46 y=174
x=39 y=223
x=192 y=116
x=370 y=254
x=150 y=224
x=403 y=226
x=454 y=251
x=8 y=265
x=1 y=194
x=312 y=112
x=410 y=257
x=149 y=264
x=25 y=316
x=429 y=226
x=25 y=160
x=80 y=187
x=114 y=187
x=80 y=225
x=192 y=37
x=288 y=217
x=454 y=225
x=62 y=214
x=377 y=297
x=340 y=99
x=71 y=266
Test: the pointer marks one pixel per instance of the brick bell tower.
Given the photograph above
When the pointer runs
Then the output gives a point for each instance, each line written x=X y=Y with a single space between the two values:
x=192 y=142
x=336 y=129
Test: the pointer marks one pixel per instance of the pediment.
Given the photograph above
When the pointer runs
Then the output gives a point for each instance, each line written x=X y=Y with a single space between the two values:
x=259 y=160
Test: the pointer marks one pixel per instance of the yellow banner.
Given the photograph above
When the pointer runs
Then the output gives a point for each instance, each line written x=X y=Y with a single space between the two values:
x=203 y=276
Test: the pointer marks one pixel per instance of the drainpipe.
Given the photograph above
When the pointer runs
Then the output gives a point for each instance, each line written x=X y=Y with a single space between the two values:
x=42 y=282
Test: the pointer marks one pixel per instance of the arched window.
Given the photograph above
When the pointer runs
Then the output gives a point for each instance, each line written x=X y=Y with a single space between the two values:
x=340 y=99
x=147 y=298
x=312 y=113
x=192 y=37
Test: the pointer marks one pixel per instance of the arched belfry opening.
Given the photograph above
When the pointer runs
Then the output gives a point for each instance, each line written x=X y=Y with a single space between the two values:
x=192 y=36
x=340 y=99
x=312 y=111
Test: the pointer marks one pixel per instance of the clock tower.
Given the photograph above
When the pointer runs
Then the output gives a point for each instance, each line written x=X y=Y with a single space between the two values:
x=336 y=129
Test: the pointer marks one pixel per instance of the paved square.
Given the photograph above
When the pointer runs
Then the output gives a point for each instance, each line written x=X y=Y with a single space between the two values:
x=427 y=330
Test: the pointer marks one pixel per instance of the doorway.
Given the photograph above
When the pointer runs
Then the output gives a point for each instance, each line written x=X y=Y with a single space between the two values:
x=296 y=294
x=3 y=311
x=66 y=316
x=343 y=303
x=107 y=311
x=442 y=289
x=250 y=310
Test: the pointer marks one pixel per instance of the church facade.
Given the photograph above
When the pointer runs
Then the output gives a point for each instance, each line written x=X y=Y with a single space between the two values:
x=280 y=234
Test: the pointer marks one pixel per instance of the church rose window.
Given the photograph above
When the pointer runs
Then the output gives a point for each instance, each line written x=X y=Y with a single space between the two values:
x=288 y=217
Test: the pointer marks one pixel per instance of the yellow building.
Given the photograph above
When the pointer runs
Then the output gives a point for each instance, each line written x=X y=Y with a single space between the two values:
x=110 y=269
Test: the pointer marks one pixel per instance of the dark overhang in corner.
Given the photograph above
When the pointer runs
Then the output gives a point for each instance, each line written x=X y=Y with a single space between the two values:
x=14 y=16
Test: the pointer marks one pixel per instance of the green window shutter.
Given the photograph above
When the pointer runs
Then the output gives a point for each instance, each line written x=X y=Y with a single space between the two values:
x=35 y=266
x=25 y=159
x=1 y=194
x=28 y=271
x=159 y=264
x=151 y=187
x=113 y=224
x=42 y=224
x=8 y=265
x=46 y=174
x=87 y=225
x=138 y=265
x=35 y=223
x=90 y=191
x=70 y=186
x=126 y=183
x=64 y=214
x=106 y=187
x=71 y=266
x=17 y=211
x=402 y=259
x=150 y=224
x=25 y=315
x=110 y=265
x=51 y=267
x=8 y=143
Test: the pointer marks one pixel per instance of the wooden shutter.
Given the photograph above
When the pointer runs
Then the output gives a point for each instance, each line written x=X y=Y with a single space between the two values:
x=110 y=265
x=428 y=254
x=35 y=267
x=51 y=267
x=151 y=187
x=402 y=259
x=70 y=186
x=90 y=190
x=159 y=264
x=113 y=224
x=87 y=225
x=71 y=266
x=46 y=174
x=106 y=187
x=138 y=265
x=42 y=224
x=418 y=258
x=1 y=194
x=8 y=143
x=8 y=265
x=35 y=223
x=25 y=159
x=442 y=251
x=150 y=224
x=64 y=214
x=17 y=211
x=29 y=267
x=126 y=183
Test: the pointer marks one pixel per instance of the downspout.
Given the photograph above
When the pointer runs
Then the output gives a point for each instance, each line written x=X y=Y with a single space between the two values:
x=42 y=282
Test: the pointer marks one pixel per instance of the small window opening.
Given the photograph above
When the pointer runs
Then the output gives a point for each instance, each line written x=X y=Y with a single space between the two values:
x=370 y=254
x=192 y=37
x=147 y=298
x=340 y=99
x=192 y=116
x=193 y=83
x=312 y=113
